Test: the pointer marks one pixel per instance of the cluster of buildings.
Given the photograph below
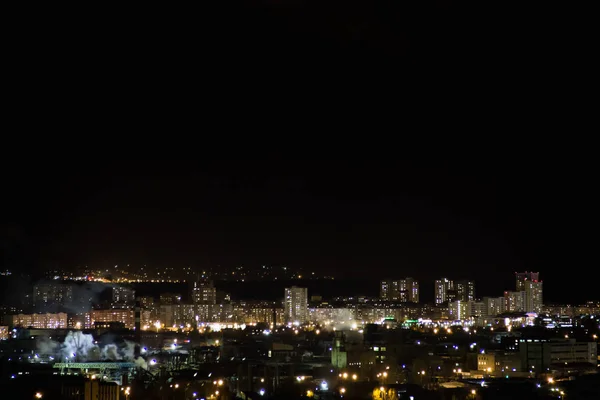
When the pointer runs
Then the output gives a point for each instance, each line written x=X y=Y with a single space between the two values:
x=61 y=304
x=459 y=296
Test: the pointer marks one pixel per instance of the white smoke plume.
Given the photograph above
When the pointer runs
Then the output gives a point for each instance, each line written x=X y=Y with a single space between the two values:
x=47 y=346
x=128 y=350
x=340 y=318
x=81 y=347
x=110 y=352
x=141 y=363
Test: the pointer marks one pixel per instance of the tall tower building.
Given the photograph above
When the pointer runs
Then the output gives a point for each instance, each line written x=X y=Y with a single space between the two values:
x=449 y=291
x=514 y=301
x=465 y=290
x=529 y=282
x=522 y=277
x=296 y=304
x=403 y=290
x=204 y=293
x=440 y=290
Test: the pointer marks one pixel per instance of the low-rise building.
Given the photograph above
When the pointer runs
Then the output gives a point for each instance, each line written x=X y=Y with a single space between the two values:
x=540 y=355
x=41 y=321
x=124 y=315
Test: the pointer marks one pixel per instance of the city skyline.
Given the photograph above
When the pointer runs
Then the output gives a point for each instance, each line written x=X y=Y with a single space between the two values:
x=341 y=219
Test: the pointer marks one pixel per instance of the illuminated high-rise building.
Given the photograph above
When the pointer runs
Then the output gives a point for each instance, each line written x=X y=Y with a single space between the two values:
x=204 y=293
x=465 y=290
x=529 y=282
x=296 y=304
x=448 y=291
x=522 y=277
x=441 y=286
x=52 y=295
x=514 y=301
x=403 y=290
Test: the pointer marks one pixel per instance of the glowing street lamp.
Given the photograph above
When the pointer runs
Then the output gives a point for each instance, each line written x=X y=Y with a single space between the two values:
x=38 y=395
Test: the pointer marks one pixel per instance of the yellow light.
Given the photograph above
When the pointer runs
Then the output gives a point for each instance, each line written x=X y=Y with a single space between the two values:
x=343 y=390
x=385 y=374
x=550 y=380
x=220 y=382
x=381 y=389
x=176 y=385
x=309 y=393
x=354 y=377
x=422 y=372
x=489 y=369
x=217 y=392
x=317 y=331
x=435 y=330
x=93 y=376
x=38 y=395
x=473 y=392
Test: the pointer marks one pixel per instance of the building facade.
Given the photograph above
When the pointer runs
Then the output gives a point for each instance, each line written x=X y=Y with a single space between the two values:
x=529 y=282
x=514 y=301
x=448 y=291
x=403 y=290
x=41 y=321
x=296 y=304
x=125 y=316
x=51 y=296
x=204 y=293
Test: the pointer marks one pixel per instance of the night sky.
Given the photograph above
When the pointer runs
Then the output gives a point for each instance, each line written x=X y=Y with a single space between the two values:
x=482 y=208
x=480 y=220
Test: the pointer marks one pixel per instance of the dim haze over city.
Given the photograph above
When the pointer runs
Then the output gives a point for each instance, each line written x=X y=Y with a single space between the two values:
x=359 y=222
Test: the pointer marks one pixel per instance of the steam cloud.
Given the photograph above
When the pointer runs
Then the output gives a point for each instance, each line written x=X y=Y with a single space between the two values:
x=81 y=347
x=341 y=318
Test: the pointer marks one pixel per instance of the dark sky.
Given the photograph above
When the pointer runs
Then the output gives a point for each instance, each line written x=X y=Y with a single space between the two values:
x=474 y=219
x=109 y=92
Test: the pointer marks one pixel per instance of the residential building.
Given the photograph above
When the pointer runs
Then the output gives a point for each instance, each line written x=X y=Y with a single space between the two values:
x=124 y=316
x=296 y=304
x=477 y=309
x=494 y=305
x=51 y=296
x=448 y=291
x=529 y=282
x=204 y=293
x=514 y=301
x=403 y=290
x=458 y=310
x=41 y=321
x=540 y=355
x=122 y=296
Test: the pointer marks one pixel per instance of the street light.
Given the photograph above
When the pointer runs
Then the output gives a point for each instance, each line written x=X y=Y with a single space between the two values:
x=38 y=395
